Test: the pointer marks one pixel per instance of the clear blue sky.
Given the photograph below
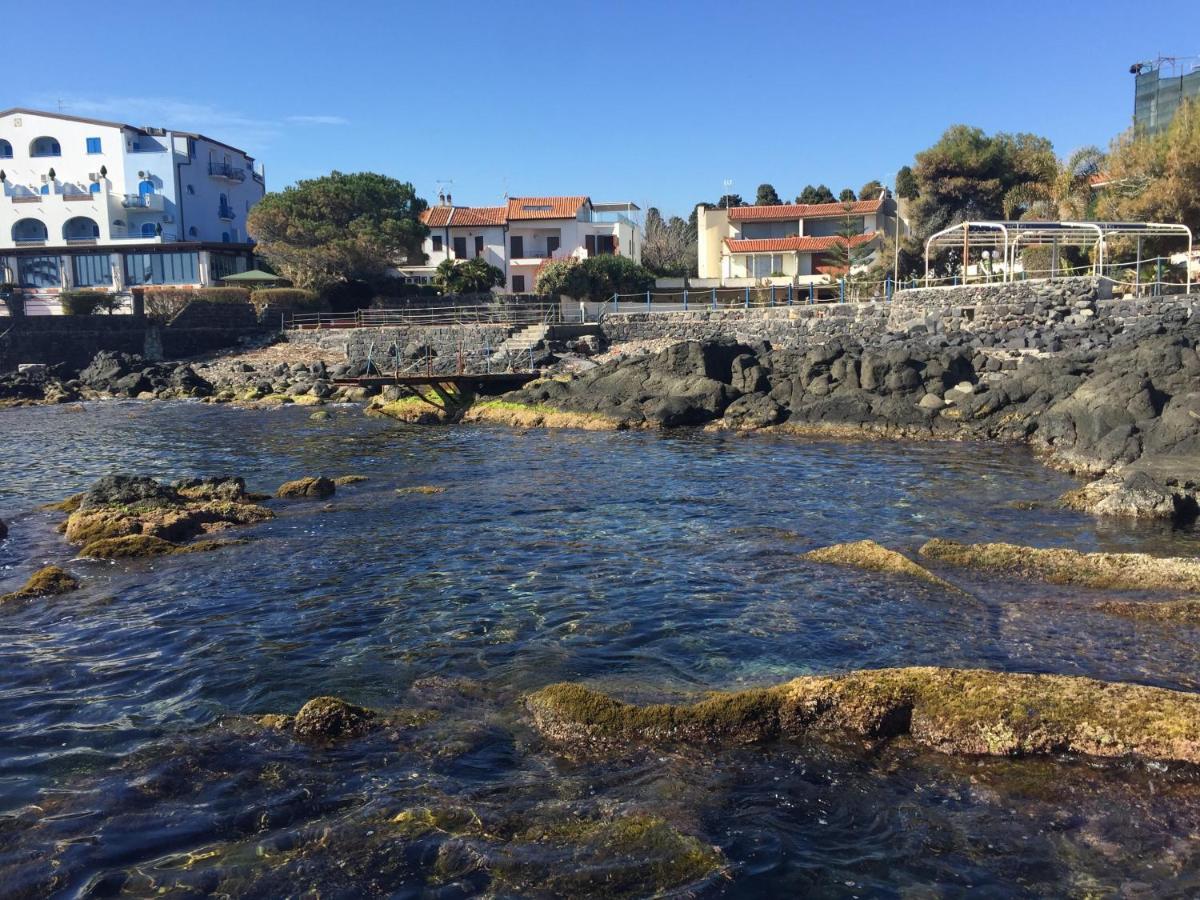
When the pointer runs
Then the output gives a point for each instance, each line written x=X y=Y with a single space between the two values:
x=657 y=103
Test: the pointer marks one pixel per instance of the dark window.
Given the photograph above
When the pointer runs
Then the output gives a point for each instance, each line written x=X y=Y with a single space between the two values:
x=437 y=243
x=589 y=244
x=479 y=245
x=92 y=269
x=518 y=282
x=606 y=245
x=518 y=247
x=38 y=271
x=5 y=150
x=552 y=244
x=161 y=268
x=460 y=248
x=221 y=265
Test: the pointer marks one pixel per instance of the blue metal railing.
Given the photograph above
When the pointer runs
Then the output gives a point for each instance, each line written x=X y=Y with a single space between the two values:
x=225 y=170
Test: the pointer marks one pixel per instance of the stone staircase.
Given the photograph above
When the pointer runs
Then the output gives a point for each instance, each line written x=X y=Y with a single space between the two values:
x=523 y=340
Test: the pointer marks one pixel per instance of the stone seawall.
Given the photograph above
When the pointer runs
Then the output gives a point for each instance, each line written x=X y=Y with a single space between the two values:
x=1041 y=315
x=74 y=340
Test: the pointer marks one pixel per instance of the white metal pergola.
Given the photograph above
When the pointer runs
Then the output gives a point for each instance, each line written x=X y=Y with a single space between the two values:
x=1008 y=238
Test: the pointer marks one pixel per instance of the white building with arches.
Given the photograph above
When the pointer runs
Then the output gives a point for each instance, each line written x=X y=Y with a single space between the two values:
x=90 y=203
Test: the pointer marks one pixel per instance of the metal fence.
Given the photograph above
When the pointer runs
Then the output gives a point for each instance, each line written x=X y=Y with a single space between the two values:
x=482 y=314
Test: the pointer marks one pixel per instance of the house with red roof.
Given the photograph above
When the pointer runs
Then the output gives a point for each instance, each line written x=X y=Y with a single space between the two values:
x=788 y=243
x=525 y=233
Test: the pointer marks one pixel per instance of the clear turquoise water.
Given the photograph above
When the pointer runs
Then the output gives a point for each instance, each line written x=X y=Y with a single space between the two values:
x=652 y=566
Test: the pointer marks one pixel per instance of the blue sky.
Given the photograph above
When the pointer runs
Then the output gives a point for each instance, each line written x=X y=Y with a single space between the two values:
x=658 y=103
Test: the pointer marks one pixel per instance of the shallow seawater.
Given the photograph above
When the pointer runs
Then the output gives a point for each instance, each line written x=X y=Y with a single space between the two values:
x=653 y=566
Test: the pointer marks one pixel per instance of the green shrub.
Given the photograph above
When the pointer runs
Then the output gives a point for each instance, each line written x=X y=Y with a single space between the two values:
x=594 y=278
x=84 y=303
x=284 y=298
x=223 y=295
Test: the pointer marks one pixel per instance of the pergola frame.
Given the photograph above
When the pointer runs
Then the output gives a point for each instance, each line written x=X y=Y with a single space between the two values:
x=1009 y=237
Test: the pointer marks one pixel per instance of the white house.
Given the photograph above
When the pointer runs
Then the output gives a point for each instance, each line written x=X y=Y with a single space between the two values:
x=524 y=233
x=89 y=203
x=785 y=244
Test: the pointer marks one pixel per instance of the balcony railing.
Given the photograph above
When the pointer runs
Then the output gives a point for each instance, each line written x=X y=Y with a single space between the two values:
x=136 y=201
x=225 y=213
x=225 y=170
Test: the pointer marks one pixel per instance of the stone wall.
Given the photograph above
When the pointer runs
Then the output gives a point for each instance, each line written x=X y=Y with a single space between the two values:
x=73 y=340
x=1042 y=315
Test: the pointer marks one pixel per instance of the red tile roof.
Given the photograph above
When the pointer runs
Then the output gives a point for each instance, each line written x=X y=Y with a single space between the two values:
x=789 y=211
x=442 y=216
x=544 y=207
x=794 y=244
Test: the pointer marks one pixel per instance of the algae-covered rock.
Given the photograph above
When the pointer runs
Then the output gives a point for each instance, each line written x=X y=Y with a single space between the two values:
x=962 y=711
x=349 y=479
x=635 y=855
x=225 y=487
x=875 y=558
x=45 y=582
x=421 y=489
x=69 y=505
x=318 y=488
x=1120 y=571
x=130 y=546
x=1183 y=611
x=127 y=490
x=330 y=717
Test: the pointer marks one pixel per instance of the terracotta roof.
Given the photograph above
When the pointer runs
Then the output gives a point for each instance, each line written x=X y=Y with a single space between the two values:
x=442 y=216
x=788 y=211
x=544 y=207
x=794 y=244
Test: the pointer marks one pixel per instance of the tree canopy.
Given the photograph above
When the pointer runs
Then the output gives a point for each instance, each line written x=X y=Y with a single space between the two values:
x=871 y=190
x=767 y=196
x=906 y=183
x=595 y=278
x=728 y=201
x=669 y=245
x=471 y=276
x=338 y=228
x=818 y=194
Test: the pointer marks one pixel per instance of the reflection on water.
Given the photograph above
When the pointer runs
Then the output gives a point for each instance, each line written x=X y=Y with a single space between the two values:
x=649 y=565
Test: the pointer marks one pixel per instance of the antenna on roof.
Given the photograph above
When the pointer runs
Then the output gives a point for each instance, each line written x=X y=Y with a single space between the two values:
x=61 y=105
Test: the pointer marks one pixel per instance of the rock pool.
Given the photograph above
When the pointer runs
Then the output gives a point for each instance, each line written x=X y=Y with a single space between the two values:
x=650 y=566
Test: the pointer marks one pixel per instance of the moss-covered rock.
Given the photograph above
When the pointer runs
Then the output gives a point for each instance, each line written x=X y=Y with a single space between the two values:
x=421 y=489
x=963 y=711
x=130 y=546
x=327 y=718
x=875 y=558
x=45 y=582
x=69 y=505
x=522 y=415
x=1183 y=611
x=310 y=488
x=1119 y=571
x=349 y=479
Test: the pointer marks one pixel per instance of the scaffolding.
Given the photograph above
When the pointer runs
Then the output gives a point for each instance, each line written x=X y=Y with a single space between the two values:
x=1007 y=239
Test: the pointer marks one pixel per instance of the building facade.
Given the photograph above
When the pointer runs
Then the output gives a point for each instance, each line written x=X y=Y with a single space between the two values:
x=526 y=232
x=1160 y=87
x=105 y=205
x=785 y=244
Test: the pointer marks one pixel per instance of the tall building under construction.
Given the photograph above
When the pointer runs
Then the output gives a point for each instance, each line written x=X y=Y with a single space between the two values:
x=1160 y=87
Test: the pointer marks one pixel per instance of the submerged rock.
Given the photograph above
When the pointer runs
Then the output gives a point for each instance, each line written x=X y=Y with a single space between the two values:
x=960 y=711
x=876 y=558
x=128 y=547
x=310 y=488
x=349 y=479
x=330 y=717
x=45 y=582
x=1118 y=571
x=421 y=489
x=1183 y=611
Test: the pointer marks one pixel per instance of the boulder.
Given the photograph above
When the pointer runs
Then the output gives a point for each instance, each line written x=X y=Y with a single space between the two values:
x=327 y=718
x=44 y=582
x=310 y=488
x=127 y=490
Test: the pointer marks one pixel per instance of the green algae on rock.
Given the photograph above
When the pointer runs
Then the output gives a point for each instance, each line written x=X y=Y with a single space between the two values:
x=309 y=488
x=875 y=558
x=45 y=582
x=349 y=479
x=326 y=718
x=1118 y=571
x=1186 y=612
x=958 y=711
x=421 y=489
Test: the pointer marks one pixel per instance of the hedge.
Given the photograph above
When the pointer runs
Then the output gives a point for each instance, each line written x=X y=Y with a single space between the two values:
x=166 y=302
x=284 y=298
x=84 y=303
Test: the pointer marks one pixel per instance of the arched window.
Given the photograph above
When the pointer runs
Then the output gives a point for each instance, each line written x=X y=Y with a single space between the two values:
x=94 y=187
x=46 y=189
x=44 y=146
x=29 y=230
x=80 y=228
x=145 y=187
x=5 y=150
x=148 y=229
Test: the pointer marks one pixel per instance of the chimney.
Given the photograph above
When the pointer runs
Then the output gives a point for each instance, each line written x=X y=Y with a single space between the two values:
x=449 y=201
